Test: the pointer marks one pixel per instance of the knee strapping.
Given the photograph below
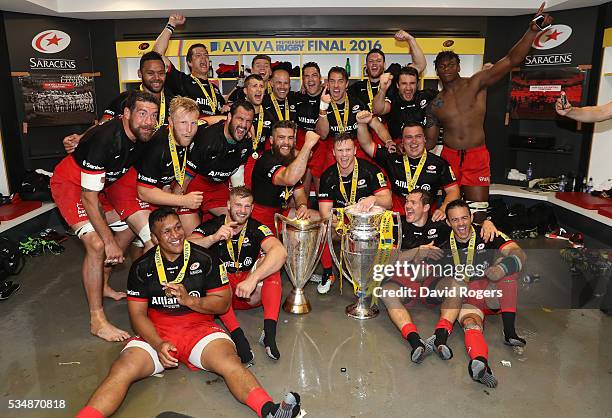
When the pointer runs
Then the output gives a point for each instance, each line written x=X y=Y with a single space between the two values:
x=118 y=226
x=478 y=206
x=88 y=227
x=145 y=234
x=468 y=327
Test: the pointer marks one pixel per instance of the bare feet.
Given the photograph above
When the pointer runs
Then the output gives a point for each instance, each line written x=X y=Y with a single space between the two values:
x=100 y=327
x=109 y=292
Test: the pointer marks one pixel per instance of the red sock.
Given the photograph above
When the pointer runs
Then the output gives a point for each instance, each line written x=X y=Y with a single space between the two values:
x=509 y=288
x=407 y=329
x=229 y=319
x=257 y=398
x=89 y=412
x=446 y=324
x=271 y=294
x=326 y=258
x=475 y=344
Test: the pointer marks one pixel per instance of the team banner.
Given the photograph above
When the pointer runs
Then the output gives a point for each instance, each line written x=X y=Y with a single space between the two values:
x=56 y=99
x=253 y=46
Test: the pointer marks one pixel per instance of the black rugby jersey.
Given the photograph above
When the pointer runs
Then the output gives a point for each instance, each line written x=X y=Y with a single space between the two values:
x=292 y=99
x=155 y=167
x=107 y=149
x=414 y=236
x=214 y=157
x=256 y=233
x=115 y=108
x=184 y=85
x=266 y=129
x=403 y=112
x=204 y=274
x=308 y=111
x=435 y=174
x=370 y=179
x=356 y=106
x=264 y=191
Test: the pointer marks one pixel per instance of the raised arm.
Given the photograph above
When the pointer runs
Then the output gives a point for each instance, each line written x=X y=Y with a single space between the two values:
x=161 y=43
x=515 y=56
x=322 y=125
x=418 y=58
x=290 y=175
x=587 y=114
x=380 y=105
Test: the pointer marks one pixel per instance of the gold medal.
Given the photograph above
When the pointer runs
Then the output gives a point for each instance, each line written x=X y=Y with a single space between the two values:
x=235 y=256
x=161 y=271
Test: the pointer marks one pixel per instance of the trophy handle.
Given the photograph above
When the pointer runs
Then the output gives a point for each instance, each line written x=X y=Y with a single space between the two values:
x=398 y=219
x=330 y=242
x=282 y=219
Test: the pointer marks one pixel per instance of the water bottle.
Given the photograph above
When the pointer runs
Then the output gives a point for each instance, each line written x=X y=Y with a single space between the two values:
x=347 y=67
x=529 y=172
x=562 y=183
x=589 y=186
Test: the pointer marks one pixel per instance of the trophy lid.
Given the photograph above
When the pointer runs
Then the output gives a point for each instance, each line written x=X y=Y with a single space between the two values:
x=303 y=224
x=374 y=211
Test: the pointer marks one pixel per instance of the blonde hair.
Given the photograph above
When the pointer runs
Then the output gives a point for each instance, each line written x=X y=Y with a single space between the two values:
x=185 y=104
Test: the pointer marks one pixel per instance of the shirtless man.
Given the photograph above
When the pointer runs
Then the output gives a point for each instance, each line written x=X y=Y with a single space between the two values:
x=460 y=108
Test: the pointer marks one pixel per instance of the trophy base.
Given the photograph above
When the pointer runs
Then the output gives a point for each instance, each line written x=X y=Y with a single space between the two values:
x=360 y=310
x=297 y=302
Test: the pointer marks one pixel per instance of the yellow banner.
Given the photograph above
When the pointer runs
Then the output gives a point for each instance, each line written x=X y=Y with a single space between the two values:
x=297 y=46
x=127 y=49
x=607 y=40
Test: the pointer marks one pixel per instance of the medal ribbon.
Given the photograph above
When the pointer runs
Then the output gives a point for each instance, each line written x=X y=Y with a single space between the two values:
x=161 y=116
x=161 y=271
x=230 y=246
x=411 y=180
x=179 y=171
x=370 y=94
x=211 y=100
x=277 y=108
x=342 y=124
x=260 y=121
x=471 y=245
x=354 y=180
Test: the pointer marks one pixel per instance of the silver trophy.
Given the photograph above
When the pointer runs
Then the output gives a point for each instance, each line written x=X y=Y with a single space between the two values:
x=360 y=252
x=304 y=241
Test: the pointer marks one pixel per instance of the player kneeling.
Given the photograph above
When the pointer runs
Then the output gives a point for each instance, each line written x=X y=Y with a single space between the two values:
x=174 y=291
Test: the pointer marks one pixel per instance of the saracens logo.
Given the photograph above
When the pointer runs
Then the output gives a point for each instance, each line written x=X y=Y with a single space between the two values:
x=552 y=37
x=51 y=41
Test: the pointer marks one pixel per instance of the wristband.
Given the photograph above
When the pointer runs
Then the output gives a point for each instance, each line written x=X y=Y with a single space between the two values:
x=170 y=27
x=511 y=264
x=323 y=105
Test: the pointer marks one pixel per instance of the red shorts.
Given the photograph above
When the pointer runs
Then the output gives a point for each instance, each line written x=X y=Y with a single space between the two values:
x=265 y=215
x=414 y=287
x=481 y=302
x=215 y=195
x=66 y=191
x=123 y=195
x=183 y=331
x=248 y=171
x=471 y=167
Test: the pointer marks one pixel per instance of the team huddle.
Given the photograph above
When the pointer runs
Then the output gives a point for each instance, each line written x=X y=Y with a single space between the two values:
x=194 y=179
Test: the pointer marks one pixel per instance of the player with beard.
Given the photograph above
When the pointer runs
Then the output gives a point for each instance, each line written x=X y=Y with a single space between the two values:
x=195 y=85
x=161 y=170
x=152 y=72
x=261 y=65
x=366 y=90
x=351 y=181
x=277 y=175
x=406 y=105
x=338 y=115
x=281 y=102
x=241 y=243
x=420 y=235
x=172 y=309
x=85 y=189
x=460 y=109
x=494 y=267
x=254 y=90
x=416 y=168
x=217 y=153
